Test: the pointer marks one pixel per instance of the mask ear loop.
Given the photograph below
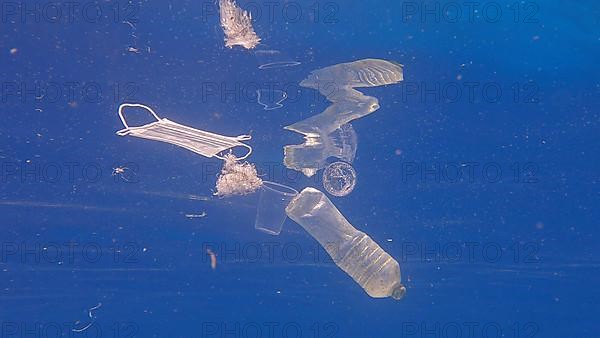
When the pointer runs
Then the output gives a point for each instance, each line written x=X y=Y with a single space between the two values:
x=246 y=137
x=127 y=129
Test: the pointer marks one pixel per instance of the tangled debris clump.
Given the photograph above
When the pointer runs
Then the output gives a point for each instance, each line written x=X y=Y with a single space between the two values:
x=237 y=25
x=237 y=178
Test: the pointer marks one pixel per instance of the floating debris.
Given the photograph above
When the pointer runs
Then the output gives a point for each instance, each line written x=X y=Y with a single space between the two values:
x=337 y=84
x=237 y=178
x=213 y=258
x=339 y=179
x=272 y=58
x=123 y=173
x=91 y=316
x=271 y=99
x=324 y=133
x=201 y=215
x=237 y=25
x=199 y=141
x=312 y=155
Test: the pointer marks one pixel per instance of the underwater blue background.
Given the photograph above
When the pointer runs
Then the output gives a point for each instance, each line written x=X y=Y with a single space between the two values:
x=479 y=173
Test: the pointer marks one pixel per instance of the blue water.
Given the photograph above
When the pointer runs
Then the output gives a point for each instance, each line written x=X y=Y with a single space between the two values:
x=479 y=173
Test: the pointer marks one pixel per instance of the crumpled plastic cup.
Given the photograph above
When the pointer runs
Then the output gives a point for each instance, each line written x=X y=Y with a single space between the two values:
x=272 y=201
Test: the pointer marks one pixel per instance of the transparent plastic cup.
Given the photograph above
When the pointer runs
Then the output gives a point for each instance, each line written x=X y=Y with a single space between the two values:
x=272 y=201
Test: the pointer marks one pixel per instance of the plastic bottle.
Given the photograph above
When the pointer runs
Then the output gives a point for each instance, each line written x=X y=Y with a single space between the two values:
x=352 y=250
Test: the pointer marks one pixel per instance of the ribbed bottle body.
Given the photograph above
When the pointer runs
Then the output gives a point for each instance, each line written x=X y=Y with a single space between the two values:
x=352 y=250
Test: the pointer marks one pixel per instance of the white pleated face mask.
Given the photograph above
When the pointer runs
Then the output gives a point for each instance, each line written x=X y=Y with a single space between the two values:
x=201 y=142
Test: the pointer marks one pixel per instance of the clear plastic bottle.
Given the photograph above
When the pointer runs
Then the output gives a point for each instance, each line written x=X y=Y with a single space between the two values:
x=352 y=250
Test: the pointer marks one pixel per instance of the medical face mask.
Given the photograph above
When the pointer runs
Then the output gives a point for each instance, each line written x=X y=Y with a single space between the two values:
x=199 y=141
